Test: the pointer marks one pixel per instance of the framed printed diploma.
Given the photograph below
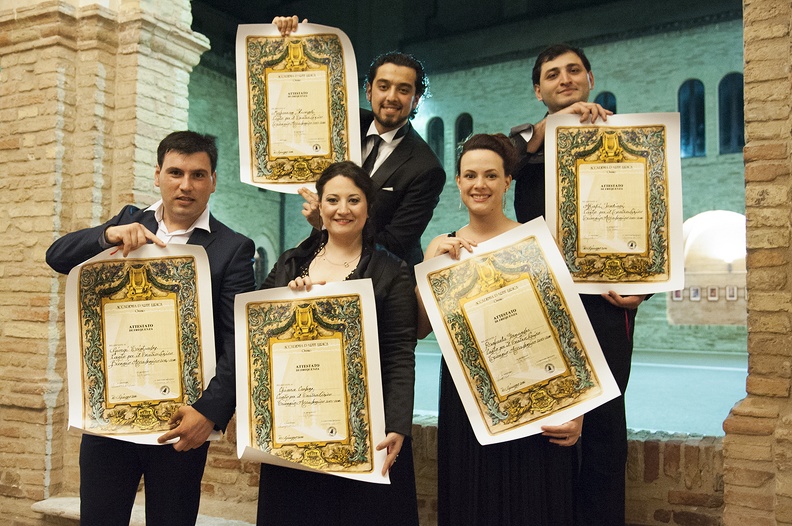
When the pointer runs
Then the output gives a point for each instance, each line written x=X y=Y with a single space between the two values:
x=514 y=335
x=614 y=201
x=309 y=390
x=139 y=339
x=298 y=104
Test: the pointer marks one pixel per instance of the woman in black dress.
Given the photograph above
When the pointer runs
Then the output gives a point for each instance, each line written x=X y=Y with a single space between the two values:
x=344 y=251
x=522 y=482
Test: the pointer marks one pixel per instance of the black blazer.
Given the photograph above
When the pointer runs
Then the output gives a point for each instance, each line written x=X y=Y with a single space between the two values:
x=231 y=265
x=394 y=295
x=407 y=189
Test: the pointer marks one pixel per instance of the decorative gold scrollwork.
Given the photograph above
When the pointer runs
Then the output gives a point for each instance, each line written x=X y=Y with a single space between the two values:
x=296 y=60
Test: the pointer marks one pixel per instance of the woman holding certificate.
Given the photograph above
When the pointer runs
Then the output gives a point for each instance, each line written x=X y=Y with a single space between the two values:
x=521 y=482
x=345 y=251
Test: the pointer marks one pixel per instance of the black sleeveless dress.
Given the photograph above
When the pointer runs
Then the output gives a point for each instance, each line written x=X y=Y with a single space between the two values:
x=525 y=482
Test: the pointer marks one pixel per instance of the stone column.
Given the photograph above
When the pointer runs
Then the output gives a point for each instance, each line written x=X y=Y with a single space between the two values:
x=86 y=93
x=758 y=444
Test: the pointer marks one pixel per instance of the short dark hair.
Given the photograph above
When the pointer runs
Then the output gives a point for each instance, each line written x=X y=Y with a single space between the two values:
x=188 y=142
x=401 y=59
x=550 y=53
x=497 y=143
x=350 y=170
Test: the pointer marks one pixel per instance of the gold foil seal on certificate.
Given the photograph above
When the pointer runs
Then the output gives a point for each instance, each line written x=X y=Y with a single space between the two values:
x=308 y=383
x=513 y=334
x=140 y=341
x=298 y=104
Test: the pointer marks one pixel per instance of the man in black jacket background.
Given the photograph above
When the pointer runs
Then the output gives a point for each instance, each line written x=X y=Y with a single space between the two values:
x=408 y=178
x=562 y=80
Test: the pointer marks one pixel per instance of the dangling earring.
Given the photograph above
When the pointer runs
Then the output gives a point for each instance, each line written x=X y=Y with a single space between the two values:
x=460 y=201
x=503 y=199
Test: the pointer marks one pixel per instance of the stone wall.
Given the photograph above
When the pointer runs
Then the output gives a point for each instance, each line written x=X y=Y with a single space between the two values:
x=671 y=479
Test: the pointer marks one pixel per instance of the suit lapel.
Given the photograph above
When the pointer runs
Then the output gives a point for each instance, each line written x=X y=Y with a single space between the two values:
x=398 y=157
x=202 y=237
x=149 y=221
x=366 y=117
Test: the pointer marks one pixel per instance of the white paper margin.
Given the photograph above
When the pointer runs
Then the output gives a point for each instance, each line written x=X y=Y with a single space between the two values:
x=537 y=228
x=243 y=106
x=676 y=280
x=362 y=287
x=73 y=330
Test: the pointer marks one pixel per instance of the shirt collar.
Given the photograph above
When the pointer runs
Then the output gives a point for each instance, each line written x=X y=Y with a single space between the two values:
x=388 y=136
x=202 y=222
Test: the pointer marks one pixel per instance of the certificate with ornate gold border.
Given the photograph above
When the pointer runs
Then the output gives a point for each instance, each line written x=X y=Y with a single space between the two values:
x=297 y=99
x=614 y=201
x=139 y=339
x=514 y=334
x=309 y=389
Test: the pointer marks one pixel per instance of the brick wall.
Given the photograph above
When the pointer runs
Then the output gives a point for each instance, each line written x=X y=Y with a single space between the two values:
x=757 y=448
x=672 y=479
x=85 y=95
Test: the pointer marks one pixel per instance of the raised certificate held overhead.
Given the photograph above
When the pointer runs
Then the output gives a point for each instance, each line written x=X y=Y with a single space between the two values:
x=297 y=98
x=139 y=339
x=309 y=391
x=514 y=335
x=614 y=201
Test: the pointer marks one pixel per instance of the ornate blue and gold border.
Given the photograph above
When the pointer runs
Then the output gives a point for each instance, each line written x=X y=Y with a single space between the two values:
x=102 y=281
x=644 y=143
x=337 y=316
x=267 y=53
x=453 y=286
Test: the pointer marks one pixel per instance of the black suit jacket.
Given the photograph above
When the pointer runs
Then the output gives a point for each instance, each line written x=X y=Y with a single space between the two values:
x=407 y=189
x=231 y=266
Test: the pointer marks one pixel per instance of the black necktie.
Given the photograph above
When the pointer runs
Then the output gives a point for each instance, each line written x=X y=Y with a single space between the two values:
x=368 y=164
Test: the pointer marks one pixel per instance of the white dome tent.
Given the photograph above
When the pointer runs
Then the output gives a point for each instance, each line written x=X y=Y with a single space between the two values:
x=714 y=293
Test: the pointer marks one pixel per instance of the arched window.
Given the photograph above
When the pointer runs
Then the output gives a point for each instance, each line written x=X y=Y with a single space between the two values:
x=690 y=100
x=730 y=113
x=607 y=100
x=260 y=267
x=463 y=128
x=436 y=137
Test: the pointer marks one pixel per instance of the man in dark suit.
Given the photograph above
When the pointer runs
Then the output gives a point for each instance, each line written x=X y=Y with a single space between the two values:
x=110 y=470
x=407 y=175
x=562 y=80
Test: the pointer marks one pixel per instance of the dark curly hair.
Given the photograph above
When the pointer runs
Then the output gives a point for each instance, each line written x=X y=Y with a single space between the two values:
x=401 y=59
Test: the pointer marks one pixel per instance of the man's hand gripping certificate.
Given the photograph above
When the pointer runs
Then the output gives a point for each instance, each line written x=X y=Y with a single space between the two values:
x=139 y=339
